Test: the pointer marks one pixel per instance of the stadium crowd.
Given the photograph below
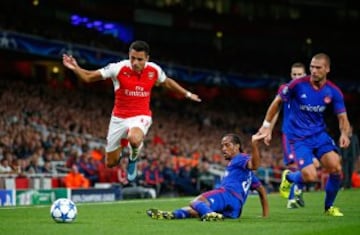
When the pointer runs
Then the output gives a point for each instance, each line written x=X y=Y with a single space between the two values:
x=40 y=124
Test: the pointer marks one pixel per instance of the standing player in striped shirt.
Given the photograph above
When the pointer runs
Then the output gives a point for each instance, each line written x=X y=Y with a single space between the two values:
x=309 y=97
x=131 y=118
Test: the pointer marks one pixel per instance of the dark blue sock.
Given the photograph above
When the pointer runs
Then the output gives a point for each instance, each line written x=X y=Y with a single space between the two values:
x=331 y=189
x=201 y=207
x=181 y=214
x=295 y=177
x=300 y=186
x=292 y=192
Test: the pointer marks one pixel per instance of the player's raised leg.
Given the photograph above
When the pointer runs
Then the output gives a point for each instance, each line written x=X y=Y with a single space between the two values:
x=115 y=141
x=135 y=137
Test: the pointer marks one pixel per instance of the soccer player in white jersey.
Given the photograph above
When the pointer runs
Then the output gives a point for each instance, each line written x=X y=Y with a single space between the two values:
x=131 y=118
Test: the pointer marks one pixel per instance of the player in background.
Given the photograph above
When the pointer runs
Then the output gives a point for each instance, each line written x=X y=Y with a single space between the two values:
x=229 y=199
x=131 y=118
x=295 y=196
x=309 y=97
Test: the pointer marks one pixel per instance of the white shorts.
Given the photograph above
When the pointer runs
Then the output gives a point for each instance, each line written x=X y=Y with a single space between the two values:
x=119 y=128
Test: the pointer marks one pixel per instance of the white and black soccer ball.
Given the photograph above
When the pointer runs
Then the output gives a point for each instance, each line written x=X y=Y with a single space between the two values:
x=63 y=210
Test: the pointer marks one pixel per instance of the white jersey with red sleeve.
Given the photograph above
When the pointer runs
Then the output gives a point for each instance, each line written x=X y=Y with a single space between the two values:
x=132 y=89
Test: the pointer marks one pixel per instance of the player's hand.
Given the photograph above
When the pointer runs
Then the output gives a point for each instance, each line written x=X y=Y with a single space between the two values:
x=69 y=62
x=344 y=141
x=267 y=139
x=258 y=136
x=266 y=131
x=194 y=97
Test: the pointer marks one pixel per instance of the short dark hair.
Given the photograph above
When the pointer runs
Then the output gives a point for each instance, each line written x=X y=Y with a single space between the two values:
x=324 y=57
x=140 y=46
x=298 y=65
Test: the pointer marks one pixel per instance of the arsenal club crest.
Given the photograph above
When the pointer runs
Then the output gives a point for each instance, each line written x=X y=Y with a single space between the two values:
x=151 y=75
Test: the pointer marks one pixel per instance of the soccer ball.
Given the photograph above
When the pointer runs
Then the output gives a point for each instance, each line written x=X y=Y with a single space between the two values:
x=63 y=210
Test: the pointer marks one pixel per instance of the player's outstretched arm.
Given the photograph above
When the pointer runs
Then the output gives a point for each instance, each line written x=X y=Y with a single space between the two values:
x=263 y=200
x=171 y=84
x=273 y=109
x=268 y=138
x=85 y=75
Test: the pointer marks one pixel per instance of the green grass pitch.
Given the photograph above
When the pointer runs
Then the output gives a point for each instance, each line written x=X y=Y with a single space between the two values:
x=128 y=217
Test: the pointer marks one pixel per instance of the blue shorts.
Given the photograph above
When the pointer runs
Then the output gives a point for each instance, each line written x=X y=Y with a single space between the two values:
x=289 y=156
x=224 y=202
x=312 y=147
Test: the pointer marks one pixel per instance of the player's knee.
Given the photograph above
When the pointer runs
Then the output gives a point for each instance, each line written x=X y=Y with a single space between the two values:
x=135 y=137
x=309 y=176
x=197 y=200
x=333 y=167
x=194 y=201
x=134 y=141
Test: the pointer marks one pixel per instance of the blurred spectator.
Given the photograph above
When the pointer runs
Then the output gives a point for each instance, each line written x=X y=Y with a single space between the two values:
x=169 y=176
x=186 y=180
x=206 y=180
x=5 y=167
x=89 y=167
x=47 y=167
x=152 y=177
x=33 y=166
x=74 y=179
x=121 y=172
